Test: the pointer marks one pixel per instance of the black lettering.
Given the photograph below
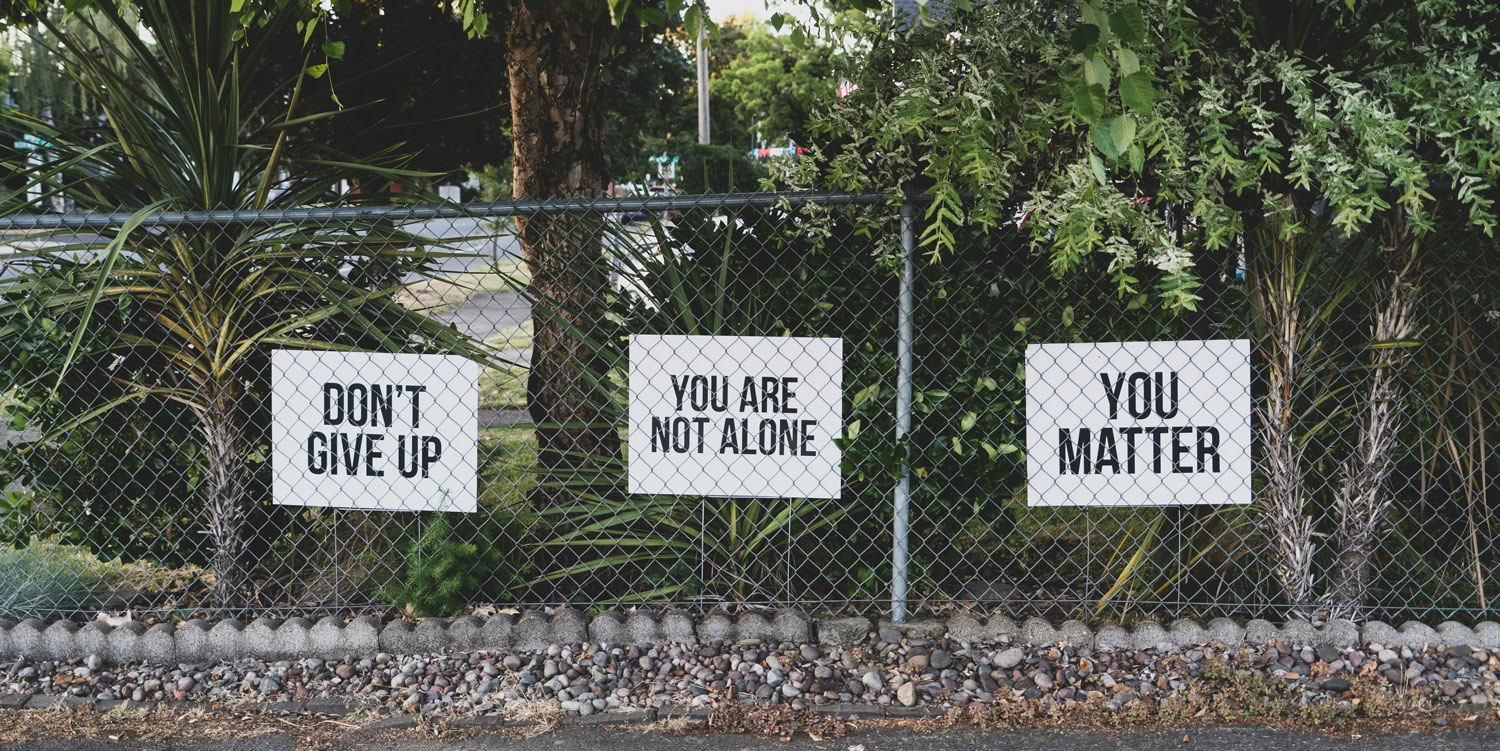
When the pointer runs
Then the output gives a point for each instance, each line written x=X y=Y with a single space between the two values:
x=719 y=386
x=1140 y=388
x=401 y=454
x=361 y=400
x=1129 y=435
x=1160 y=392
x=1208 y=446
x=786 y=437
x=317 y=453
x=1113 y=393
x=380 y=406
x=769 y=394
x=1107 y=453
x=679 y=389
x=432 y=450
x=700 y=423
x=1179 y=450
x=747 y=397
x=807 y=430
x=682 y=435
x=698 y=393
x=1156 y=435
x=372 y=452
x=729 y=440
x=661 y=431
x=333 y=396
x=747 y=445
x=767 y=432
x=416 y=404
x=1071 y=458
x=787 y=394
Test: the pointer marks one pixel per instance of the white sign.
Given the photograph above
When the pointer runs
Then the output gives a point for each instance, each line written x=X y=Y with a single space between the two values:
x=362 y=430
x=736 y=416
x=1138 y=423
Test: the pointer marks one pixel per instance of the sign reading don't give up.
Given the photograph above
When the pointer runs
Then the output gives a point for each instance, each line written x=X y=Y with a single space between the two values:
x=372 y=431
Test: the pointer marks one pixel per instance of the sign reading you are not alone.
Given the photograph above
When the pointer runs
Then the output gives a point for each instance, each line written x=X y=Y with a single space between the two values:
x=735 y=416
x=1138 y=423
x=372 y=431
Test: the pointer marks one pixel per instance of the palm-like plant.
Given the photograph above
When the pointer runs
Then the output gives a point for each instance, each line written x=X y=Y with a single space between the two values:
x=184 y=130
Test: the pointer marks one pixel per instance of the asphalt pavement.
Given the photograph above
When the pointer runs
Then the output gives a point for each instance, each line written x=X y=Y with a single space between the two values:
x=623 y=739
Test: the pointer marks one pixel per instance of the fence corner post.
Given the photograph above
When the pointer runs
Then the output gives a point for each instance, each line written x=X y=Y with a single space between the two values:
x=902 y=498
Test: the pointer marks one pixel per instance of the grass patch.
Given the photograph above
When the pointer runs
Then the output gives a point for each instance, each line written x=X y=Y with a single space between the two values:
x=503 y=388
x=440 y=295
x=506 y=458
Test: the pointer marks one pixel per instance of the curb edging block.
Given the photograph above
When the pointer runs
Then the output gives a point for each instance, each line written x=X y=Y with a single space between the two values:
x=1260 y=632
x=497 y=630
x=259 y=638
x=325 y=639
x=965 y=629
x=6 y=650
x=466 y=634
x=531 y=631
x=292 y=638
x=569 y=626
x=125 y=643
x=1339 y=634
x=752 y=625
x=192 y=640
x=1225 y=631
x=1185 y=631
x=1299 y=633
x=1113 y=638
x=1488 y=635
x=790 y=625
x=1380 y=632
x=1149 y=635
x=677 y=627
x=1417 y=635
x=640 y=629
x=430 y=635
x=361 y=636
x=1038 y=631
x=1453 y=633
x=608 y=629
x=159 y=644
x=843 y=632
x=93 y=639
x=1076 y=633
x=26 y=637
x=226 y=641
x=715 y=627
x=58 y=642
x=396 y=637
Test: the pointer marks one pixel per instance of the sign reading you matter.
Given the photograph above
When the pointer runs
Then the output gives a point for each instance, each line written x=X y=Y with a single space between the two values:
x=363 y=430
x=1138 y=423
x=735 y=416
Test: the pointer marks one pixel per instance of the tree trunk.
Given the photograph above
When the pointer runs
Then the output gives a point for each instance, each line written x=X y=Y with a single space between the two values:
x=558 y=124
x=224 y=482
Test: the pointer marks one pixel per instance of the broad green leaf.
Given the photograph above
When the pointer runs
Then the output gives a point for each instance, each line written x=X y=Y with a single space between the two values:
x=1128 y=23
x=1097 y=165
x=1113 y=135
x=1091 y=14
x=1083 y=37
x=1137 y=158
x=1096 y=72
x=968 y=421
x=317 y=71
x=1129 y=61
x=1088 y=102
x=334 y=50
x=1136 y=92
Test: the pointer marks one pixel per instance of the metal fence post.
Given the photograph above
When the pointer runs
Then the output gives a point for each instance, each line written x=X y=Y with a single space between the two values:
x=903 y=418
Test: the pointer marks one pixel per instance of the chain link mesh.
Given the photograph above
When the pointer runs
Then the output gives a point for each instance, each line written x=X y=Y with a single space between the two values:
x=137 y=463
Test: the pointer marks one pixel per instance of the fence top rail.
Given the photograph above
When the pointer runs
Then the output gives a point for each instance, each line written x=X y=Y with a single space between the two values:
x=421 y=212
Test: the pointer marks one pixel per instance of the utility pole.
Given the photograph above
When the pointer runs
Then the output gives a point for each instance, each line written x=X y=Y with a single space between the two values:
x=702 y=82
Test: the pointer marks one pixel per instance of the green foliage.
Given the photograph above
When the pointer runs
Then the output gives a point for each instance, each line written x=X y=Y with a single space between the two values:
x=773 y=81
x=710 y=168
x=48 y=575
x=444 y=571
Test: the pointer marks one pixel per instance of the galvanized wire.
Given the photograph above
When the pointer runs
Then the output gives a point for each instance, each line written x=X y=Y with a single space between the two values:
x=112 y=512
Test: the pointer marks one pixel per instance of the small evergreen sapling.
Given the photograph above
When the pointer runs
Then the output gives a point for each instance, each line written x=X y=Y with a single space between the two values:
x=442 y=572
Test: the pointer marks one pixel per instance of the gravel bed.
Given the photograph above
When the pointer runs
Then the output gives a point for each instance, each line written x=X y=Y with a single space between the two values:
x=587 y=679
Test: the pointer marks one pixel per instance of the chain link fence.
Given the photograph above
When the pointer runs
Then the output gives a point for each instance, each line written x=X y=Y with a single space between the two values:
x=138 y=462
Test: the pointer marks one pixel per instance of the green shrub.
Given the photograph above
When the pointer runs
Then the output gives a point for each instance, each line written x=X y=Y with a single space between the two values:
x=444 y=571
x=48 y=575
